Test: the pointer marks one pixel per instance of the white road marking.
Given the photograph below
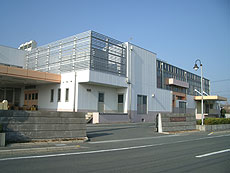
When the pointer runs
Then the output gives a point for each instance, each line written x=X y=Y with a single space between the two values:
x=213 y=153
x=132 y=139
x=108 y=150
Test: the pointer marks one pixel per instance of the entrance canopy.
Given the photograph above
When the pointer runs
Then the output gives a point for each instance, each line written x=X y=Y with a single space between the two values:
x=211 y=98
x=14 y=76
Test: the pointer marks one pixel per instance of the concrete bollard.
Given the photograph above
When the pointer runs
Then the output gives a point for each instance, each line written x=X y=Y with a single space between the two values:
x=159 y=123
x=2 y=139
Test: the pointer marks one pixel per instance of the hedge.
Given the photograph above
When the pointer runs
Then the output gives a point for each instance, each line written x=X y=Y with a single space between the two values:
x=214 y=121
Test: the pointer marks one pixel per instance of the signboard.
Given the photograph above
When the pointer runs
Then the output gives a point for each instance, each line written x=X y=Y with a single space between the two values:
x=177 y=119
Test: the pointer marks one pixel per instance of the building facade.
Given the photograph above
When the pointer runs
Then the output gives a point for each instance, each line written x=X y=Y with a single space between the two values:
x=96 y=73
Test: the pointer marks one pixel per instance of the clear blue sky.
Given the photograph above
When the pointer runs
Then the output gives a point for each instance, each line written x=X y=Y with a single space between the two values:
x=179 y=31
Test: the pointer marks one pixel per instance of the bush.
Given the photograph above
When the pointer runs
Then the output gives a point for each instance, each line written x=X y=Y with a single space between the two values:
x=214 y=121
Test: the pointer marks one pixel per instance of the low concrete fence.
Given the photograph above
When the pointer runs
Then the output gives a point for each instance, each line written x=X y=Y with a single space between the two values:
x=176 y=122
x=213 y=127
x=110 y=118
x=23 y=126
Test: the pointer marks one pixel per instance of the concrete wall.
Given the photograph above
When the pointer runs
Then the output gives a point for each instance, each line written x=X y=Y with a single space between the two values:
x=96 y=77
x=44 y=94
x=21 y=126
x=12 y=56
x=142 y=76
x=143 y=80
x=178 y=122
x=110 y=118
x=88 y=97
x=213 y=127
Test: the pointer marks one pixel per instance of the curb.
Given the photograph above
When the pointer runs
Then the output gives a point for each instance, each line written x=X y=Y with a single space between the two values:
x=37 y=150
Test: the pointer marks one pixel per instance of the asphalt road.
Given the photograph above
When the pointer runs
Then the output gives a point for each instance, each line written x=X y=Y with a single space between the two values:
x=131 y=148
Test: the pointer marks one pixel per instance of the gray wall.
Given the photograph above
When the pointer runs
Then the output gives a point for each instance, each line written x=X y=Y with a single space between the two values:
x=12 y=56
x=22 y=126
x=170 y=122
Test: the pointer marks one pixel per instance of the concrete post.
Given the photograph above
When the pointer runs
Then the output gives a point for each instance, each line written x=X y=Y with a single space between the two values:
x=159 y=123
x=2 y=139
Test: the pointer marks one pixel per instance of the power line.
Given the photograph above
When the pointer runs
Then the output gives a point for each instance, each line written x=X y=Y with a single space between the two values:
x=222 y=80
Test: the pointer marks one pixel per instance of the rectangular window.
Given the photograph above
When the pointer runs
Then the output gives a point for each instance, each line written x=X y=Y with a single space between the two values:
x=59 y=95
x=36 y=96
x=211 y=106
x=101 y=97
x=51 y=95
x=29 y=96
x=141 y=104
x=182 y=107
x=120 y=98
x=33 y=96
x=67 y=94
x=25 y=96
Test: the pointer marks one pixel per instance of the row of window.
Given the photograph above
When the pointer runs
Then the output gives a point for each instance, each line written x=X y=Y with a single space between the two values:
x=165 y=70
x=59 y=95
x=31 y=96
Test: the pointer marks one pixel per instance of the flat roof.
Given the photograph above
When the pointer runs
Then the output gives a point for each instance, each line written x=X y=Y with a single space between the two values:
x=20 y=76
x=213 y=97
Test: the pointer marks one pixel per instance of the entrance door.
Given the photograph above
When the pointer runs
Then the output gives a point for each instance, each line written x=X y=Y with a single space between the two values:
x=30 y=98
x=121 y=103
x=101 y=104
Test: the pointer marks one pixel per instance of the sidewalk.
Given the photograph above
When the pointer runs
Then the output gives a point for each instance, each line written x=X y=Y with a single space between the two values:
x=99 y=132
x=37 y=147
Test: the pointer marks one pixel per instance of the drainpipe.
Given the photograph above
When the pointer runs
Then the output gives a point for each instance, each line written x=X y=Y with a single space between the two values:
x=130 y=83
x=74 y=99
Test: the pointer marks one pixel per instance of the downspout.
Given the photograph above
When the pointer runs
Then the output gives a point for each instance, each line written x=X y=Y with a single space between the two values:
x=130 y=83
x=74 y=99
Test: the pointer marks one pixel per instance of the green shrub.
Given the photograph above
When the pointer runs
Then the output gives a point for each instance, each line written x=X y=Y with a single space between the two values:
x=214 y=121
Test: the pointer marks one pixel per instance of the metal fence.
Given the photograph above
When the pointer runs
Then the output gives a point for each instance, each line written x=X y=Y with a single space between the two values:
x=87 y=50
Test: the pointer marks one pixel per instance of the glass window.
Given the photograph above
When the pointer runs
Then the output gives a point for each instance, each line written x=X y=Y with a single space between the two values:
x=29 y=96
x=33 y=96
x=51 y=95
x=59 y=95
x=182 y=107
x=25 y=96
x=67 y=94
x=141 y=104
x=101 y=97
x=120 y=98
x=36 y=96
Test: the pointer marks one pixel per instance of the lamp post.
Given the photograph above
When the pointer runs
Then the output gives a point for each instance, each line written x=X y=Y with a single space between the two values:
x=202 y=100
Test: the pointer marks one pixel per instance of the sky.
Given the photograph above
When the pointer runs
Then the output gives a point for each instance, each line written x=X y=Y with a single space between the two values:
x=178 y=31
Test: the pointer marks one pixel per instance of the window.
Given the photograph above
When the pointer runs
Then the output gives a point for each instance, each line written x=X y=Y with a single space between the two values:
x=182 y=107
x=101 y=97
x=25 y=96
x=120 y=98
x=67 y=94
x=211 y=106
x=36 y=96
x=59 y=95
x=52 y=95
x=29 y=96
x=33 y=96
x=141 y=104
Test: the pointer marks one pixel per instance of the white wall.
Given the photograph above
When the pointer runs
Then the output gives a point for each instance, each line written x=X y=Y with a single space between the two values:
x=12 y=56
x=44 y=94
x=143 y=80
x=101 y=78
x=88 y=100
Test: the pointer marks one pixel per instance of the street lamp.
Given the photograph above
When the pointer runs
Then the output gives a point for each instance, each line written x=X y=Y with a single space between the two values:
x=202 y=100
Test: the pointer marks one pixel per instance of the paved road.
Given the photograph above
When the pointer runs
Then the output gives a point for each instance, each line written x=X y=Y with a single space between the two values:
x=131 y=148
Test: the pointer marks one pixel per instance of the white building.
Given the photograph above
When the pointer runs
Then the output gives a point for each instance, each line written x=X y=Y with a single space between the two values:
x=90 y=72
